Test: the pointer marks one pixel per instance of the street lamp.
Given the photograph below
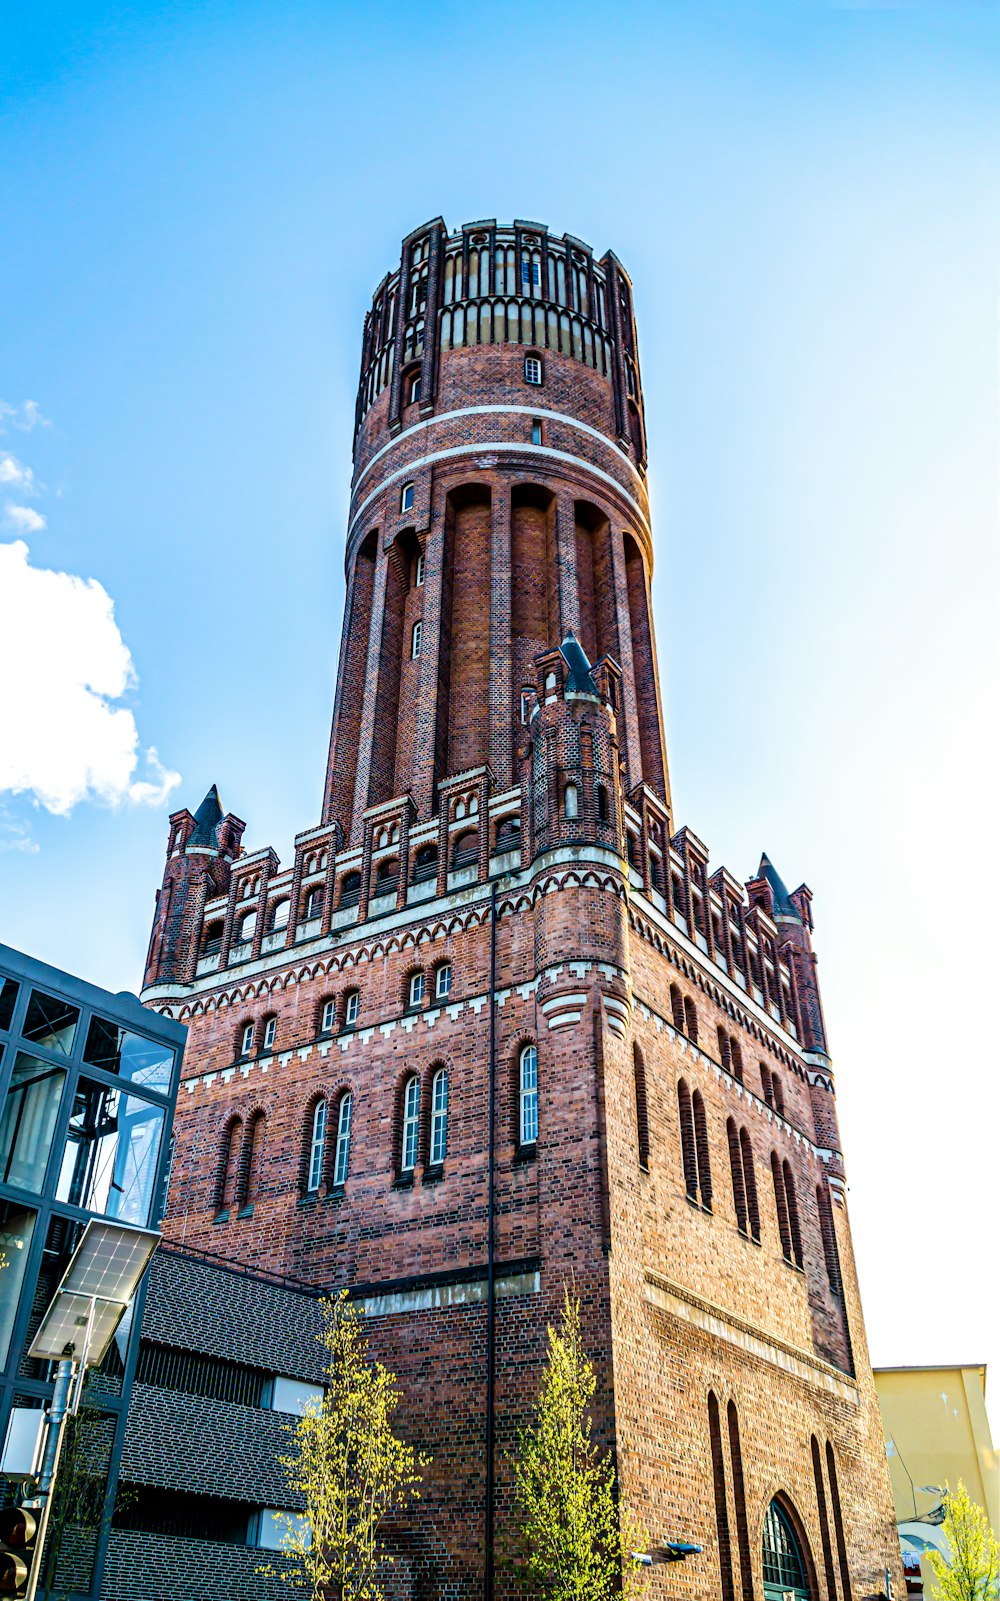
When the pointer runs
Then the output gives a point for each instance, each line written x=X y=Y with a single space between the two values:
x=669 y=1551
x=80 y=1322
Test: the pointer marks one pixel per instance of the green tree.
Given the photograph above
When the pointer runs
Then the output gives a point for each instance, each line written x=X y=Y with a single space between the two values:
x=971 y=1571
x=570 y=1534
x=349 y=1467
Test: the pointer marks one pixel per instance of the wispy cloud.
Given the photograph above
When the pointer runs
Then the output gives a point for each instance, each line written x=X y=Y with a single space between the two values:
x=25 y=417
x=24 y=519
x=63 y=664
x=15 y=835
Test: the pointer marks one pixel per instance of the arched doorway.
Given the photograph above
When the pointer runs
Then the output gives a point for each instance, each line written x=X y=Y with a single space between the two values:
x=784 y=1560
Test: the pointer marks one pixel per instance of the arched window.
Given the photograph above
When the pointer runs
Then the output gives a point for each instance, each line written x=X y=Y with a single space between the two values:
x=252 y=1163
x=739 y=1185
x=690 y=1020
x=831 y=1254
x=527 y=1097
x=838 y=1521
x=603 y=813
x=824 y=1521
x=247 y=929
x=677 y=1007
x=442 y=982
x=787 y=1210
x=350 y=889
x=386 y=877
x=342 y=1153
x=246 y=1039
x=415 y=992
x=270 y=1030
x=425 y=864
x=721 y=1501
x=229 y=1163
x=508 y=835
x=641 y=1108
x=737 y=1060
x=777 y=1095
x=740 y=1501
x=317 y=1145
x=411 y=1125
x=571 y=801
x=784 y=1563
x=413 y=389
x=279 y=914
x=694 y=1146
x=211 y=939
x=439 y=1116
x=419 y=568
x=327 y=1016
x=313 y=905
x=416 y=639
x=750 y=1184
x=701 y=1146
x=793 y=1214
x=465 y=852
x=352 y=1005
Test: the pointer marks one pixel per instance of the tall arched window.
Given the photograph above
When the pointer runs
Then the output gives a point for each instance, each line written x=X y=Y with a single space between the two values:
x=342 y=1153
x=690 y=1019
x=831 y=1254
x=739 y=1185
x=317 y=1145
x=721 y=1503
x=528 y=1096
x=641 y=1107
x=313 y=904
x=784 y=1562
x=787 y=1210
x=252 y=1163
x=411 y=1125
x=677 y=1008
x=229 y=1163
x=694 y=1146
x=740 y=1501
x=793 y=1213
x=439 y=1116
x=750 y=1184
x=701 y=1146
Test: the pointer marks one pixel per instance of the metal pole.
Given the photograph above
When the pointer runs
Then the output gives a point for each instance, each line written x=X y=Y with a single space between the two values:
x=490 y=1259
x=55 y=1429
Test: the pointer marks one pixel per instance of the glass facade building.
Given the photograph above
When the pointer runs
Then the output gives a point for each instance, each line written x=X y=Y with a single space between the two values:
x=88 y=1083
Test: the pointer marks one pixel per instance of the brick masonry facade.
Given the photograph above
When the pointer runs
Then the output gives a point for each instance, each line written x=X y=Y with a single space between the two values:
x=498 y=802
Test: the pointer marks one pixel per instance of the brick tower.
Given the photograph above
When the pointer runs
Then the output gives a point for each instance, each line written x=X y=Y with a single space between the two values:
x=497 y=890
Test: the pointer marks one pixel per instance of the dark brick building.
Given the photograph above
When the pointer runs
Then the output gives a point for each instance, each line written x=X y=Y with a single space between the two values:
x=498 y=887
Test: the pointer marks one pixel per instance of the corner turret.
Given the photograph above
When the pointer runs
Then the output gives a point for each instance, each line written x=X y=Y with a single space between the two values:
x=201 y=849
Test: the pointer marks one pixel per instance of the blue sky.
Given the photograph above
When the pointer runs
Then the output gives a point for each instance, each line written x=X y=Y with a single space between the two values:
x=199 y=200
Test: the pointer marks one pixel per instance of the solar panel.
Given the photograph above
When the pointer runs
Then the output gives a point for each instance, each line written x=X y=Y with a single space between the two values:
x=103 y=1275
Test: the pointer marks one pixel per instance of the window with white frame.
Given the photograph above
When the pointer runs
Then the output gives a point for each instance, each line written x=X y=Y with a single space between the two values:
x=351 y=1008
x=246 y=1044
x=270 y=1029
x=411 y=1125
x=439 y=1116
x=406 y=498
x=528 y=1095
x=442 y=981
x=416 y=639
x=531 y=272
x=418 y=572
x=527 y=700
x=533 y=369
x=317 y=1146
x=414 y=389
x=328 y=1017
x=342 y=1154
x=416 y=991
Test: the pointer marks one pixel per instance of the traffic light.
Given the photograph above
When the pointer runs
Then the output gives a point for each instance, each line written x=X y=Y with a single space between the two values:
x=19 y=1527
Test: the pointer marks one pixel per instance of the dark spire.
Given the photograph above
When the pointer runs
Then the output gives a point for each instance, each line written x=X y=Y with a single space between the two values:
x=784 y=906
x=206 y=820
x=578 y=681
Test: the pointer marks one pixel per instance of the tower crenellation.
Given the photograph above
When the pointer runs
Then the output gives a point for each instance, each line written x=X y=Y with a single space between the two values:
x=497 y=906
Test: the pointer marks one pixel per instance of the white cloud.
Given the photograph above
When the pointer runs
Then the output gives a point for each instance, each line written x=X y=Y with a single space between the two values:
x=24 y=519
x=62 y=664
x=15 y=835
x=25 y=417
x=16 y=474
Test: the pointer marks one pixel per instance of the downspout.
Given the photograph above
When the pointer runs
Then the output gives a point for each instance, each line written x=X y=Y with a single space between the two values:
x=490 y=1260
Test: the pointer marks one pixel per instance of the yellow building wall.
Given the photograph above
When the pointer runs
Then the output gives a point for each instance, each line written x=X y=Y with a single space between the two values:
x=937 y=1432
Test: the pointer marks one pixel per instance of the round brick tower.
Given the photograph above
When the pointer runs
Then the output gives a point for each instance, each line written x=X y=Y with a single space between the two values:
x=498 y=503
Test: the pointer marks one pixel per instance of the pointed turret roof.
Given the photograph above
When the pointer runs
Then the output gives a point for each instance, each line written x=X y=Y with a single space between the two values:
x=578 y=680
x=784 y=906
x=207 y=819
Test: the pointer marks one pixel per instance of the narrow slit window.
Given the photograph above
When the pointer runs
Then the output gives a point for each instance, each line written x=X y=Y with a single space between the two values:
x=317 y=1145
x=536 y=432
x=414 y=392
x=418 y=572
x=528 y=1096
x=342 y=1155
x=416 y=639
x=411 y=1125
x=439 y=1117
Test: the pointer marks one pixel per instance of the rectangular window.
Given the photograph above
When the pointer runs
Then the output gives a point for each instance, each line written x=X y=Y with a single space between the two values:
x=531 y=272
x=296 y=1397
x=270 y=1029
x=271 y=1527
x=29 y=1121
x=418 y=572
x=416 y=385
x=51 y=1023
x=536 y=432
x=416 y=640
x=533 y=369
x=406 y=498
x=112 y=1145
x=17 y=1225
x=142 y=1061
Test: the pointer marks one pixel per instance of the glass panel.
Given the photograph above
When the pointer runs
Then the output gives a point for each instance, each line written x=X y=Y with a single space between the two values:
x=8 y=1000
x=131 y=1056
x=17 y=1224
x=51 y=1022
x=112 y=1144
x=29 y=1120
